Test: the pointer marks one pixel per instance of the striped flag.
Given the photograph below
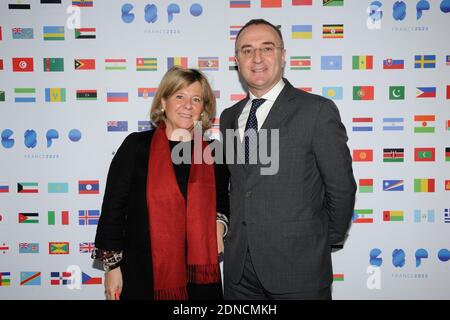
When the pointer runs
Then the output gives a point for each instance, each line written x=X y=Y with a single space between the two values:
x=146 y=64
x=234 y=30
x=271 y=3
x=333 y=3
x=239 y=4
x=301 y=2
x=177 y=61
x=85 y=33
x=5 y=279
x=423 y=185
x=393 y=124
x=63 y=218
x=300 y=63
x=87 y=279
x=424 y=123
x=4 y=188
x=391 y=64
x=25 y=95
x=339 y=277
x=89 y=186
x=208 y=63
x=301 y=31
x=393 y=215
x=83 y=3
x=365 y=186
x=232 y=65
x=87 y=95
x=146 y=92
x=55 y=94
x=333 y=31
x=427 y=215
x=362 y=216
x=393 y=155
x=362 y=62
x=53 y=64
x=27 y=187
x=115 y=64
x=362 y=124
x=425 y=92
x=447 y=153
x=53 y=33
x=117 y=97
x=28 y=217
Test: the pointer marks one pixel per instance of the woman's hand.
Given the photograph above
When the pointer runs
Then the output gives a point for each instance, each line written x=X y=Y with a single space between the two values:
x=220 y=231
x=113 y=283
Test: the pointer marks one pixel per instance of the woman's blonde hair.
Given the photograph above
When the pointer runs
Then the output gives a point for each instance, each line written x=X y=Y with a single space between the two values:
x=176 y=79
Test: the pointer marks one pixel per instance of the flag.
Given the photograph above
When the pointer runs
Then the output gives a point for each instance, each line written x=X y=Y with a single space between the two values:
x=362 y=62
x=447 y=153
x=334 y=93
x=60 y=278
x=208 y=63
x=28 y=217
x=393 y=185
x=4 y=188
x=232 y=65
x=396 y=93
x=52 y=218
x=146 y=64
x=25 y=95
x=86 y=279
x=424 y=61
x=144 y=125
x=333 y=3
x=50 y=1
x=146 y=92
x=53 y=33
x=301 y=2
x=331 y=62
x=393 y=215
x=28 y=247
x=28 y=278
x=448 y=93
x=447 y=125
x=338 y=277
x=446 y=188
x=362 y=124
x=117 y=97
x=393 y=124
x=365 y=185
x=84 y=95
x=5 y=279
x=84 y=64
x=423 y=123
x=393 y=155
x=391 y=64
x=87 y=247
x=22 y=65
x=91 y=186
x=83 y=3
x=58 y=248
x=27 y=187
x=117 y=126
x=363 y=93
x=270 y=3
x=362 y=216
x=333 y=31
x=22 y=33
x=55 y=94
x=447 y=60
x=234 y=30
x=19 y=6
x=53 y=64
x=58 y=187
x=239 y=4
x=88 y=217
x=115 y=64
x=303 y=31
x=446 y=215
x=1 y=64
x=426 y=92
x=300 y=63
x=2 y=96
x=177 y=61
x=424 y=154
x=85 y=33
x=423 y=185
x=4 y=248
x=363 y=155
x=427 y=216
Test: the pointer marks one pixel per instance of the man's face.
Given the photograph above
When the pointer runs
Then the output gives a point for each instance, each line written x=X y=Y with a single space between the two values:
x=260 y=58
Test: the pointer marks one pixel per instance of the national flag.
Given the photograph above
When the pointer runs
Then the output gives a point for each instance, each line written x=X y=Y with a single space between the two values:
x=393 y=215
x=55 y=94
x=4 y=248
x=232 y=65
x=365 y=186
x=89 y=186
x=301 y=2
x=117 y=97
x=4 y=188
x=393 y=155
x=334 y=93
x=427 y=216
x=25 y=95
x=88 y=217
x=338 y=277
x=423 y=185
x=239 y=4
x=393 y=185
x=300 y=63
x=1 y=64
x=362 y=216
x=426 y=92
x=117 y=126
x=64 y=218
x=396 y=93
x=58 y=187
x=5 y=277
x=393 y=124
x=331 y=62
x=147 y=64
x=425 y=61
x=234 y=30
x=2 y=96
x=53 y=64
x=270 y=3
x=28 y=247
x=60 y=278
x=146 y=92
x=333 y=3
x=115 y=64
x=446 y=188
x=447 y=60
x=363 y=93
x=22 y=33
x=31 y=217
x=84 y=95
x=30 y=278
x=84 y=64
x=144 y=125
x=424 y=123
x=86 y=279
x=87 y=247
x=446 y=215
x=447 y=153
x=362 y=62
x=1 y=34
x=208 y=63
x=50 y=1
x=83 y=3
x=448 y=93
x=362 y=124
x=424 y=154
x=391 y=64
x=53 y=33
x=58 y=248
x=177 y=61
x=447 y=125
x=19 y=6
x=22 y=65
x=27 y=187
x=333 y=31
x=363 y=155
x=85 y=33
x=303 y=31
x=238 y=96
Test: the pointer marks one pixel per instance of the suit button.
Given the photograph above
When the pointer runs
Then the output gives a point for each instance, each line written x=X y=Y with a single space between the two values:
x=244 y=223
x=248 y=194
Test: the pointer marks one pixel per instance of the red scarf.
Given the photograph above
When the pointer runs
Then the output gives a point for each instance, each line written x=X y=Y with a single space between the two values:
x=183 y=236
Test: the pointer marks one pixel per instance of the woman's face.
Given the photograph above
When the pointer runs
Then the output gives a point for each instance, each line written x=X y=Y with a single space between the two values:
x=183 y=108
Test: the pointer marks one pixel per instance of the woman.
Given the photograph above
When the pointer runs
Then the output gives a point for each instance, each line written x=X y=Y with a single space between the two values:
x=158 y=237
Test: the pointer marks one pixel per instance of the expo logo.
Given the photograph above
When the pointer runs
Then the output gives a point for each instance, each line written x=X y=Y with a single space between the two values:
x=151 y=12
x=399 y=257
x=375 y=13
x=31 y=137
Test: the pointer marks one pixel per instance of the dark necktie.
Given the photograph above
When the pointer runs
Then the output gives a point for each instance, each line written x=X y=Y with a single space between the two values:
x=251 y=128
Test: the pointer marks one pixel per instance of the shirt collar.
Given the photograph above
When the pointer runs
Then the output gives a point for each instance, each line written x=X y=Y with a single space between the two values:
x=273 y=93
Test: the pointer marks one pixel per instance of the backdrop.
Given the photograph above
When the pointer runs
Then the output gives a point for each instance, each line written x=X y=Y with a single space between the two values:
x=78 y=76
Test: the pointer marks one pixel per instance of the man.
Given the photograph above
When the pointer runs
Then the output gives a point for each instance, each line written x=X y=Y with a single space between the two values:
x=282 y=225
